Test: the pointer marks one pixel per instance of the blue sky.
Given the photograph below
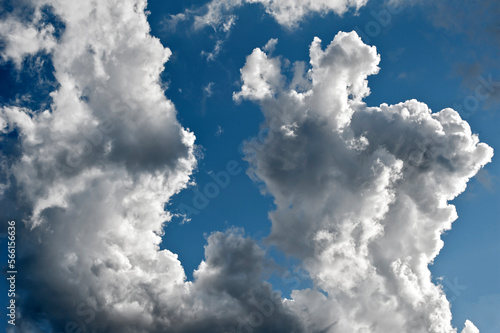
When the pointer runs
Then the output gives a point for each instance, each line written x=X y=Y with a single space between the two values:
x=423 y=57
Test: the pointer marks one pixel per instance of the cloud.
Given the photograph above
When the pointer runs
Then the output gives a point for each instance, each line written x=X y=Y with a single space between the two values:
x=258 y=75
x=233 y=267
x=270 y=45
x=87 y=181
x=470 y=328
x=95 y=170
x=211 y=56
x=286 y=12
x=217 y=14
x=20 y=39
x=362 y=193
x=219 y=131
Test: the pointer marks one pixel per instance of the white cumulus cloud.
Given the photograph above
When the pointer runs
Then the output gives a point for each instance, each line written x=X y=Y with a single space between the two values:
x=470 y=328
x=21 y=39
x=362 y=193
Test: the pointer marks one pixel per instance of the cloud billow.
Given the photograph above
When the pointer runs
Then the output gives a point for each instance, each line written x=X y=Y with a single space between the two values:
x=362 y=191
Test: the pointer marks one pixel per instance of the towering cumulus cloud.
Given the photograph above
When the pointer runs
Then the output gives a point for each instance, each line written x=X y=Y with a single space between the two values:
x=361 y=192
x=95 y=170
x=89 y=177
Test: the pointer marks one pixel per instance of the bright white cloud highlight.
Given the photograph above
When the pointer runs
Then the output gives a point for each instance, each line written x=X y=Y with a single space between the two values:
x=21 y=39
x=362 y=193
x=470 y=328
